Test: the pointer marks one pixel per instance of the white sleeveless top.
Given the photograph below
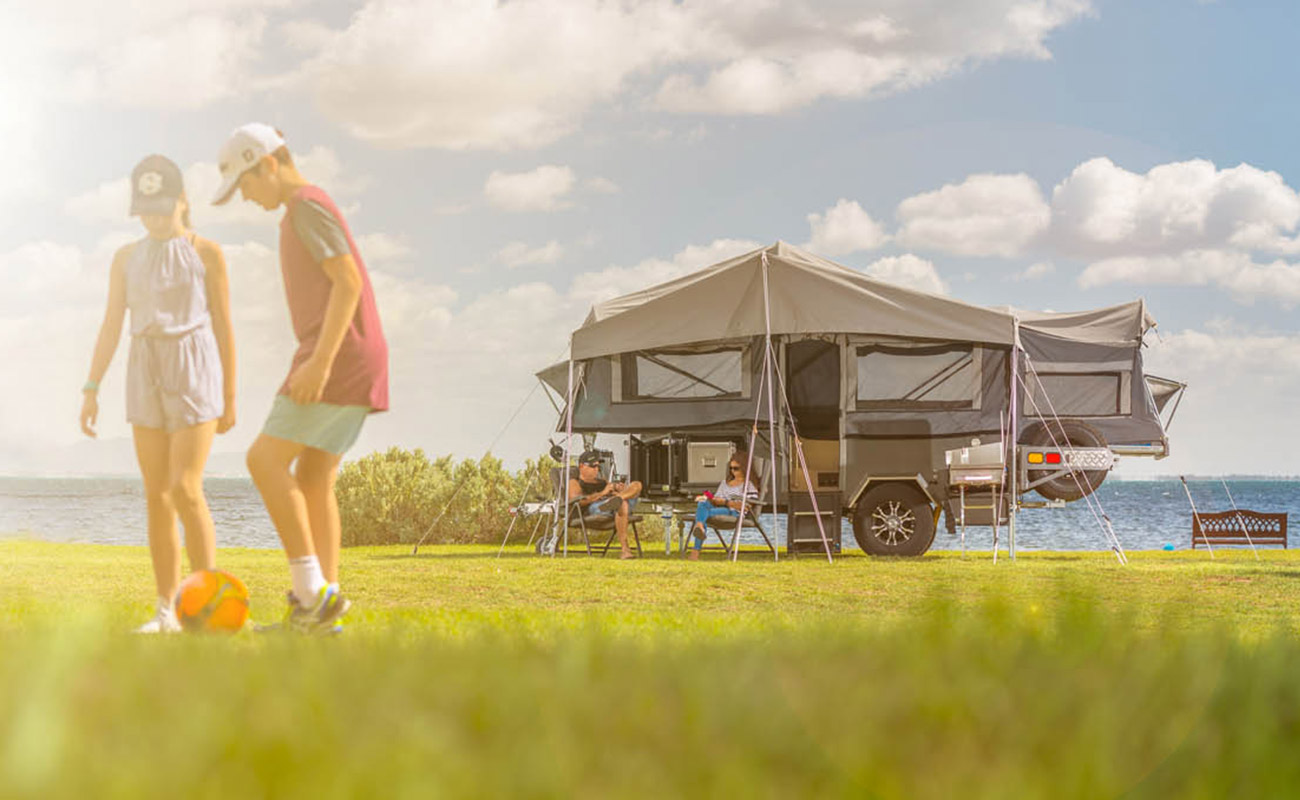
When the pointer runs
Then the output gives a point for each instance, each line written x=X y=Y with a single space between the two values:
x=165 y=288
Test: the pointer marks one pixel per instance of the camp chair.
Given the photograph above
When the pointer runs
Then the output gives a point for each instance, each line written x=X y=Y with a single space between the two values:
x=726 y=522
x=588 y=522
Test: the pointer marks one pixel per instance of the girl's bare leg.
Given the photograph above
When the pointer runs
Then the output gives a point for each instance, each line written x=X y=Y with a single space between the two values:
x=152 y=452
x=188 y=454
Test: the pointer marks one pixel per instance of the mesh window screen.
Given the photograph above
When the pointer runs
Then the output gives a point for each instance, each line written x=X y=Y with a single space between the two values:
x=1094 y=394
x=917 y=378
x=679 y=376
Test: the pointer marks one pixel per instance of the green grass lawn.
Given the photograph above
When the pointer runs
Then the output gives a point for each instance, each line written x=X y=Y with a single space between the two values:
x=463 y=674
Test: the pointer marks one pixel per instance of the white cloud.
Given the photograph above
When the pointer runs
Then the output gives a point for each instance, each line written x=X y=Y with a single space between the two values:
x=40 y=276
x=844 y=228
x=1234 y=271
x=1180 y=223
x=476 y=73
x=775 y=56
x=184 y=54
x=982 y=216
x=1104 y=210
x=1241 y=385
x=1227 y=350
x=909 y=271
x=189 y=64
x=379 y=248
x=1034 y=271
x=541 y=189
x=482 y=74
x=591 y=288
x=518 y=254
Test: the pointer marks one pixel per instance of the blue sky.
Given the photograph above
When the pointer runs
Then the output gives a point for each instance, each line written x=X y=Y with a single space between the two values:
x=509 y=164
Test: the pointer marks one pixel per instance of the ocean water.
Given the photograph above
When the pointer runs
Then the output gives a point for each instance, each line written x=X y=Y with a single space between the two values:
x=1145 y=514
x=112 y=511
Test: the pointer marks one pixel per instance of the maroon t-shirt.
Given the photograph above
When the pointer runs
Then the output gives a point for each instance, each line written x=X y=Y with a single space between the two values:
x=359 y=375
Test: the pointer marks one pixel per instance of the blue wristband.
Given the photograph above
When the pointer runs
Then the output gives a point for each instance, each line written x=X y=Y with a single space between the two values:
x=91 y=386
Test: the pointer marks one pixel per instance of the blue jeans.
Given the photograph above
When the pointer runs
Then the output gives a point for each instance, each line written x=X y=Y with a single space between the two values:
x=705 y=509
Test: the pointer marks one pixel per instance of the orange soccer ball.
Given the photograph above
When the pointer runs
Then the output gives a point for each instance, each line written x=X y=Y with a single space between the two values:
x=211 y=600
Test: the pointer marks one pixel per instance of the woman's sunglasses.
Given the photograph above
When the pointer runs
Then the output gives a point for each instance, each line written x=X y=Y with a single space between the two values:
x=734 y=467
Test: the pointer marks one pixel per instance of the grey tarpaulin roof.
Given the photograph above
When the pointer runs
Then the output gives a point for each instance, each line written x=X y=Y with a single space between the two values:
x=1125 y=323
x=809 y=294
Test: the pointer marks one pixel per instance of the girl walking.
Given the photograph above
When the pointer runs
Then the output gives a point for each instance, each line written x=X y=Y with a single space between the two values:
x=180 y=381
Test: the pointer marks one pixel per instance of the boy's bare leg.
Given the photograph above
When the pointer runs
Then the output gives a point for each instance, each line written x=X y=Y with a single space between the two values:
x=317 y=471
x=152 y=453
x=188 y=454
x=268 y=461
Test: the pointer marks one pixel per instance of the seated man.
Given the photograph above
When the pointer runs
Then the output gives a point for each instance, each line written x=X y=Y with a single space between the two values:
x=598 y=496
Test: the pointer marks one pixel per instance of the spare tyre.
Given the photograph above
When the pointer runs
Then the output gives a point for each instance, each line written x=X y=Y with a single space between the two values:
x=1064 y=434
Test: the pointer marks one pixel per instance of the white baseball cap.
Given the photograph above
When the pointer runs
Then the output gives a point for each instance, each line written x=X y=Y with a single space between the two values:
x=245 y=148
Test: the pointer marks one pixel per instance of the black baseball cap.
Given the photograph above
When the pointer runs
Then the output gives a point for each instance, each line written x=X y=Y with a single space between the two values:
x=156 y=185
x=589 y=457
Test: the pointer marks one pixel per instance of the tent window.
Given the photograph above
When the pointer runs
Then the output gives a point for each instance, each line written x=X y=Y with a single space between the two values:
x=1093 y=394
x=665 y=375
x=918 y=378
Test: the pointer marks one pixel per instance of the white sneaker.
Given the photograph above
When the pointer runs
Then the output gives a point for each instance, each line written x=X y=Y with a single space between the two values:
x=164 y=621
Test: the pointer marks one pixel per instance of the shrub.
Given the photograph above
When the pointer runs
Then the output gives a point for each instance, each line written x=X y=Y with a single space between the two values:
x=395 y=496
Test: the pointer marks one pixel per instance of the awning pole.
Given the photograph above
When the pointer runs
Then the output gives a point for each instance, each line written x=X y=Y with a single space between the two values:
x=749 y=467
x=1012 y=453
x=1196 y=517
x=771 y=402
x=568 y=446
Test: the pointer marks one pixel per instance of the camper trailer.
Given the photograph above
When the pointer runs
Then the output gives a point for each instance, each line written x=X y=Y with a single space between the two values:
x=909 y=410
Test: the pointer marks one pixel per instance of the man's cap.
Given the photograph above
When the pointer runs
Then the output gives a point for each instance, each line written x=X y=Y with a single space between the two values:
x=243 y=150
x=156 y=185
x=589 y=457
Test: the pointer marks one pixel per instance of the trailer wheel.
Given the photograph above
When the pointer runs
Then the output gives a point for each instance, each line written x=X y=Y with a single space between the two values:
x=1072 y=433
x=894 y=519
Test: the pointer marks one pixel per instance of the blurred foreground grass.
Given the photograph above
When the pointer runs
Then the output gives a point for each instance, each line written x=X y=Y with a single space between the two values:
x=466 y=675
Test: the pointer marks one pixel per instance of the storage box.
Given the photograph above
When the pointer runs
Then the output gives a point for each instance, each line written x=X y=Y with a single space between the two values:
x=801 y=532
x=656 y=463
x=706 y=463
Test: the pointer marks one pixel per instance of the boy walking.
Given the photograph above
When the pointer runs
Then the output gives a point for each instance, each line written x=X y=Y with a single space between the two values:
x=338 y=377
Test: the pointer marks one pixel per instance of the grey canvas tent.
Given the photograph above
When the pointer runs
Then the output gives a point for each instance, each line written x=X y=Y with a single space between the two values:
x=894 y=377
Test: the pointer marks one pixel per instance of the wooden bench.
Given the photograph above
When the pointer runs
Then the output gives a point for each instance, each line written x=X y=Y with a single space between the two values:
x=1225 y=528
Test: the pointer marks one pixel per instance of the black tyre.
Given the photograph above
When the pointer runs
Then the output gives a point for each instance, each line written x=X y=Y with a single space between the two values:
x=1066 y=433
x=894 y=519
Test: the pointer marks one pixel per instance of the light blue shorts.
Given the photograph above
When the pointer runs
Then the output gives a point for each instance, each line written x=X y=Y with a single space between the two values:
x=609 y=506
x=321 y=426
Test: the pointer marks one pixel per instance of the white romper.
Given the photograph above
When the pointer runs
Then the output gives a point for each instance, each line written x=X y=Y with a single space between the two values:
x=173 y=375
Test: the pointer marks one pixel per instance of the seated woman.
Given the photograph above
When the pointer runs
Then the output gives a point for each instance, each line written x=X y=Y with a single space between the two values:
x=724 y=501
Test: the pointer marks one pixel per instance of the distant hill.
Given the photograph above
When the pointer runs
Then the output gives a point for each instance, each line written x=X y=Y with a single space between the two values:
x=101 y=458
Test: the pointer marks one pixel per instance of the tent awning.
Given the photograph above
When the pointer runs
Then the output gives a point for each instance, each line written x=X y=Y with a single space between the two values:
x=809 y=295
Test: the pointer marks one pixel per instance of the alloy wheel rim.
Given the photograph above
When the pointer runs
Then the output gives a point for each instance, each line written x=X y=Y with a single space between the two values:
x=892 y=523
